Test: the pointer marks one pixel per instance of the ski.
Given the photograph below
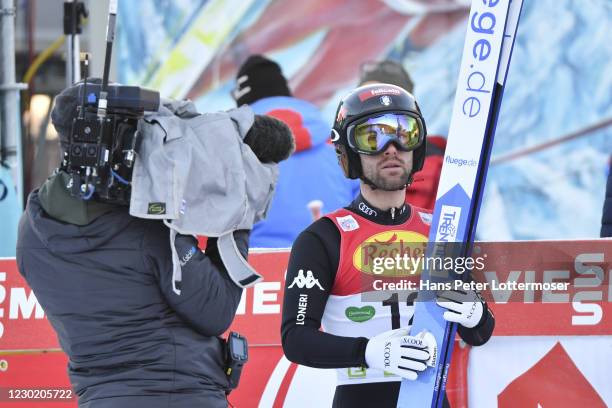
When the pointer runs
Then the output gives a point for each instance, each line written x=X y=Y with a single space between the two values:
x=489 y=40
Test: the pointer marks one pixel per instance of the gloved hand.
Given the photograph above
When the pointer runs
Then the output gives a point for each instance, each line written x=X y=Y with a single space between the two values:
x=187 y=249
x=396 y=352
x=464 y=307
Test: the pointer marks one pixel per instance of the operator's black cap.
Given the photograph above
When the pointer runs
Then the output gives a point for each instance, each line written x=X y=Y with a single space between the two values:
x=258 y=78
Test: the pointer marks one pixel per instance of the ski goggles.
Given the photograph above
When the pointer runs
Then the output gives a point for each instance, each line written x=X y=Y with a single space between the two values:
x=372 y=135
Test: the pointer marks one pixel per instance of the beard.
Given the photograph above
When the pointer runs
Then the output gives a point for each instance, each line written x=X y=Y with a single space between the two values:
x=386 y=183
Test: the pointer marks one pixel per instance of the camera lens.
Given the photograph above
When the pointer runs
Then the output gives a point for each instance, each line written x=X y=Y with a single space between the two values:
x=91 y=151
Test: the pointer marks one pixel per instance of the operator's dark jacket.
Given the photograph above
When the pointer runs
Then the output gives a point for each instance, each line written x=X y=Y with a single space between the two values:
x=106 y=289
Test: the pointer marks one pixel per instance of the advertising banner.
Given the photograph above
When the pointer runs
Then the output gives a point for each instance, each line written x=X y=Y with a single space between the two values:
x=536 y=332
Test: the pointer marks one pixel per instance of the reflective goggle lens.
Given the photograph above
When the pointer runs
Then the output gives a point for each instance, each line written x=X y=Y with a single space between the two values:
x=374 y=134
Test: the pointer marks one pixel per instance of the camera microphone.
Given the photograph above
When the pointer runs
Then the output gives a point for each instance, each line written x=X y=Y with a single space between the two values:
x=270 y=139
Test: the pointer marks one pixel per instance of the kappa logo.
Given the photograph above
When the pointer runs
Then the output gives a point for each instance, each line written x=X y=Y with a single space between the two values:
x=307 y=281
x=347 y=223
x=426 y=218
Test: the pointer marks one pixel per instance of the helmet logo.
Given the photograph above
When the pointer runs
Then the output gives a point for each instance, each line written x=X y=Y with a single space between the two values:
x=385 y=100
x=370 y=93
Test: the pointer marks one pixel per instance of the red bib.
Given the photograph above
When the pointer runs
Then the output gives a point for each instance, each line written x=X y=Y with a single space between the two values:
x=361 y=241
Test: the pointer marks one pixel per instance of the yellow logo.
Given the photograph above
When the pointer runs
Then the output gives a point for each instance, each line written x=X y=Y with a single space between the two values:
x=391 y=253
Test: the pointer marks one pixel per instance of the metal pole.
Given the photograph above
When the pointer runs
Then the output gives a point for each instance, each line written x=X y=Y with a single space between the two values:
x=69 y=56
x=76 y=57
x=73 y=47
x=69 y=64
x=10 y=141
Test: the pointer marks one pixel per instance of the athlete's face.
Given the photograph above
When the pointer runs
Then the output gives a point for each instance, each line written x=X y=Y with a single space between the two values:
x=389 y=170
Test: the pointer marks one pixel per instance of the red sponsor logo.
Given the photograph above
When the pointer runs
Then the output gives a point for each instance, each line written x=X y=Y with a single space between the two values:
x=364 y=96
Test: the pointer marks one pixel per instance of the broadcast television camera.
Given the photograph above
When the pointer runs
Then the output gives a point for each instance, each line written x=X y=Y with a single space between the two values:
x=104 y=135
x=103 y=140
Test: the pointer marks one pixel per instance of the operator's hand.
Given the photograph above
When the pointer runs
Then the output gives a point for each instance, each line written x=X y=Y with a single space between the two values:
x=396 y=352
x=464 y=307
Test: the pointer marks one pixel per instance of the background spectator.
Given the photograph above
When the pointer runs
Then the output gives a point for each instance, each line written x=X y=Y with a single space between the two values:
x=310 y=182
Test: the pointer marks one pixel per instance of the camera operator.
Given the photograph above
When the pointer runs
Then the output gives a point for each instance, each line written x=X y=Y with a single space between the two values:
x=104 y=279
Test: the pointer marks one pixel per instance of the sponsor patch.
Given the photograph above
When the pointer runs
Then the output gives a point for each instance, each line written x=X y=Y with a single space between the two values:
x=360 y=314
x=432 y=347
x=459 y=162
x=390 y=244
x=364 y=96
x=363 y=207
x=449 y=224
x=187 y=257
x=156 y=208
x=347 y=223
x=425 y=217
x=385 y=100
x=302 y=308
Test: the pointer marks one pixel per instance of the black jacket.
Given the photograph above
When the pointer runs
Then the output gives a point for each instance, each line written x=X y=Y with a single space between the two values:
x=106 y=289
x=606 y=219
